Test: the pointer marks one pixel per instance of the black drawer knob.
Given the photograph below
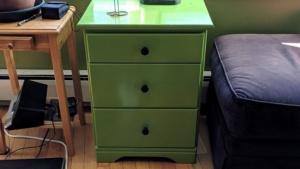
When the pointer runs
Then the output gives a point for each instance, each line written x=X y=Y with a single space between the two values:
x=144 y=88
x=144 y=51
x=145 y=131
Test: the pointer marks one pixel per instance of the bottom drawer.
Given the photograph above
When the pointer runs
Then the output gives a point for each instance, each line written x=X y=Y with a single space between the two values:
x=145 y=127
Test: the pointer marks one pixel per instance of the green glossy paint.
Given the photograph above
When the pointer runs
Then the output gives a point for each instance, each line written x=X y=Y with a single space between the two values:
x=128 y=47
x=183 y=155
x=169 y=85
x=145 y=75
x=167 y=128
x=144 y=18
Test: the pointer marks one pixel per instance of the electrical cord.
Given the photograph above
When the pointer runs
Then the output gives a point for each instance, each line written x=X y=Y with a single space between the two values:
x=23 y=148
x=43 y=140
x=77 y=15
x=42 y=144
x=38 y=138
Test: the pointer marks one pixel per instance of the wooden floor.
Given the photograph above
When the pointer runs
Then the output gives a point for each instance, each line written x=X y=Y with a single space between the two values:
x=84 y=149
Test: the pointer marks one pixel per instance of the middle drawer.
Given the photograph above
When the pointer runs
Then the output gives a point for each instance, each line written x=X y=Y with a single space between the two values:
x=144 y=85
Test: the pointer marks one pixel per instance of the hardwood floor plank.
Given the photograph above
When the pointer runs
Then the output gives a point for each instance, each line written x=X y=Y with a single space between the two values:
x=17 y=144
x=62 y=153
x=9 y=143
x=155 y=165
x=203 y=133
x=206 y=161
x=30 y=152
x=103 y=166
x=201 y=146
x=44 y=150
x=89 y=154
x=168 y=165
x=129 y=164
x=55 y=148
x=142 y=164
x=116 y=165
x=79 y=142
x=197 y=165
x=182 y=166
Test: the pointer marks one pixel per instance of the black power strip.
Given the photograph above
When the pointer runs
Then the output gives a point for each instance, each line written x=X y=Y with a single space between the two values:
x=53 y=112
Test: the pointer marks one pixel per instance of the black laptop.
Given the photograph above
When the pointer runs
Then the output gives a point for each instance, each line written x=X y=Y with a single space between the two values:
x=36 y=163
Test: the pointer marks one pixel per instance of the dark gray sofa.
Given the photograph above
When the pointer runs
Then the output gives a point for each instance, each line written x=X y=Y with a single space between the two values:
x=254 y=118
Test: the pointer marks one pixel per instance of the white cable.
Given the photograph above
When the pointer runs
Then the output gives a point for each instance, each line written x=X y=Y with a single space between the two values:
x=37 y=138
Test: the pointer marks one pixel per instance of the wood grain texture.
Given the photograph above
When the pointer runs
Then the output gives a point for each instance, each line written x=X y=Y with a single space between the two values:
x=16 y=43
x=46 y=36
x=48 y=26
x=12 y=72
x=2 y=136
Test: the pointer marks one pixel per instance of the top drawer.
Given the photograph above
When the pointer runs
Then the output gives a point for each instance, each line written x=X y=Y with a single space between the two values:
x=145 y=48
x=16 y=43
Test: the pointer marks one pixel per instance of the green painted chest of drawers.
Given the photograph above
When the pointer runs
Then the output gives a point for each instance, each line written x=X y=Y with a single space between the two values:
x=145 y=75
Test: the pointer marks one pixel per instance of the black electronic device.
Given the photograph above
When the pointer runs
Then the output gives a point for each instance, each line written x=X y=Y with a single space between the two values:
x=160 y=2
x=54 y=9
x=53 y=113
x=36 y=163
x=27 y=108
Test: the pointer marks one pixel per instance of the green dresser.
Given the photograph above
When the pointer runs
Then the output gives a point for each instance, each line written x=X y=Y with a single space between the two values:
x=145 y=75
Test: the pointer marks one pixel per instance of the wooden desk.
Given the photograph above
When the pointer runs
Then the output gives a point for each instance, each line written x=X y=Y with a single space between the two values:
x=43 y=35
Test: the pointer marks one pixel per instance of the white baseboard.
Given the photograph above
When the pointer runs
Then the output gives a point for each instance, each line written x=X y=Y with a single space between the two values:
x=6 y=93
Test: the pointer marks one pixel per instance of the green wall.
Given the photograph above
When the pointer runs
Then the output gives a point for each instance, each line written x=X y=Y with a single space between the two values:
x=41 y=60
x=229 y=16
x=252 y=16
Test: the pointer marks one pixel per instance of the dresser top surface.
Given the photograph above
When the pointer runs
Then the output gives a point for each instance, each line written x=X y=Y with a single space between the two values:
x=188 y=15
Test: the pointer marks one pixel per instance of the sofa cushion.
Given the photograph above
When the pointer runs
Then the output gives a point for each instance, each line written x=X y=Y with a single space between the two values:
x=257 y=81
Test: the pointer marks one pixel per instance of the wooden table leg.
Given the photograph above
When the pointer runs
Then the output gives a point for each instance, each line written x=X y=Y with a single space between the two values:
x=12 y=72
x=61 y=92
x=76 y=77
x=3 y=149
x=11 y=67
